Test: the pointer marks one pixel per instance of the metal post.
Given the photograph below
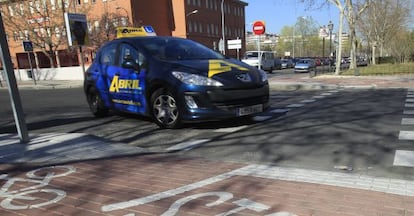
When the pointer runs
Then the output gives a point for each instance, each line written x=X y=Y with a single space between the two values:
x=31 y=68
x=222 y=27
x=13 y=90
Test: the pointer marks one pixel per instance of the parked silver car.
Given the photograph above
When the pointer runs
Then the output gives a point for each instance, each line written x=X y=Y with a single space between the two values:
x=305 y=65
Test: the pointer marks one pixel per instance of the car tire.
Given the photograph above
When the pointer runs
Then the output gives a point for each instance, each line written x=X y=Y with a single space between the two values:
x=95 y=103
x=165 y=109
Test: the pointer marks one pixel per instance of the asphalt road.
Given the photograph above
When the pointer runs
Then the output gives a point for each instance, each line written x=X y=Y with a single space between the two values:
x=349 y=128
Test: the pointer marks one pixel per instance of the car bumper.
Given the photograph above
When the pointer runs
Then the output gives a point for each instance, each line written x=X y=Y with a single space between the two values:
x=220 y=104
x=302 y=70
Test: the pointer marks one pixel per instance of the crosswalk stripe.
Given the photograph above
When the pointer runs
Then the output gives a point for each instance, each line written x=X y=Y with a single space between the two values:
x=407 y=121
x=230 y=130
x=404 y=158
x=280 y=110
x=308 y=101
x=295 y=105
x=409 y=105
x=409 y=112
x=406 y=135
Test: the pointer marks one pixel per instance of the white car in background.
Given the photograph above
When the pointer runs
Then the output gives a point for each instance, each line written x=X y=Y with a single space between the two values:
x=267 y=62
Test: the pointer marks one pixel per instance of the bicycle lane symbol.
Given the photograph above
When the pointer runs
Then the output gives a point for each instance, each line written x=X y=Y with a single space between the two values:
x=25 y=197
x=223 y=196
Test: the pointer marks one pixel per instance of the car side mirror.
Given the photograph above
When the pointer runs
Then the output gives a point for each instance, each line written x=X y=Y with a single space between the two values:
x=130 y=63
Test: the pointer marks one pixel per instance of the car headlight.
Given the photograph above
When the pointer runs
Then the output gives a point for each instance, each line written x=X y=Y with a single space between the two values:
x=263 y=75
x=193 y=79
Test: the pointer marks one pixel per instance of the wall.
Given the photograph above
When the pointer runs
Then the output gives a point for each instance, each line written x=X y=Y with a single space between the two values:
x=65 y=73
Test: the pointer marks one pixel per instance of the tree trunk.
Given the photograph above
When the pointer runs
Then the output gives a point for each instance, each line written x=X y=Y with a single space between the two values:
x=339 y=38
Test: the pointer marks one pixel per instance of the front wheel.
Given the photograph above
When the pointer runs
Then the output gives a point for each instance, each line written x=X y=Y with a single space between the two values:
x=165 y=109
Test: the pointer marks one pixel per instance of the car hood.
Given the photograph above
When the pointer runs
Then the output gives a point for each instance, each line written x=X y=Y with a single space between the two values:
x=230 y=72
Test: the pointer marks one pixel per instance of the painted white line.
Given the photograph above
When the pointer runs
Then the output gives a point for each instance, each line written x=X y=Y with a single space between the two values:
x=230 y=130
x=407 y=121
x=348 y=180
x=409 y=112
x=333 y=91
x=308 y=101
x=404 y=158
x=261 y=118
x=410 y=96
x=168 y=193
x=409 y=105
x=280 y=111
x=319 y=97
x=326 y=94
x=187 y=145
x=295 y=105
x=409 y=100
x=406 y=135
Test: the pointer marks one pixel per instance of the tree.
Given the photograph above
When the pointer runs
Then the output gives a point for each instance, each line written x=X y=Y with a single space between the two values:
x=103 y=28
x=351 y=11
x=383 y=25
x=40 y=22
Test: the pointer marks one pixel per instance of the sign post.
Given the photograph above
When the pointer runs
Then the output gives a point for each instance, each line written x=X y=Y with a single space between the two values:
x=28 y=47
x=259 y=29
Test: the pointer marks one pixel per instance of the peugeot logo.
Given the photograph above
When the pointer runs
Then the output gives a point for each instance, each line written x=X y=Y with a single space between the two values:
x=244 y=77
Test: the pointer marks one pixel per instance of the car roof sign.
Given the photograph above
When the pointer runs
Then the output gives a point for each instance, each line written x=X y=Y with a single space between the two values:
x=122 y=32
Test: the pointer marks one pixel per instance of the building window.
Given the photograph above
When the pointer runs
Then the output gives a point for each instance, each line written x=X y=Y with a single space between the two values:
x=11 y=10
x=190 y=26
x=15 y=36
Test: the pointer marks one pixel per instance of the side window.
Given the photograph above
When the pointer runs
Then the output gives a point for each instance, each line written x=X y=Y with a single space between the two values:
x=108 y=55
x=129 y=52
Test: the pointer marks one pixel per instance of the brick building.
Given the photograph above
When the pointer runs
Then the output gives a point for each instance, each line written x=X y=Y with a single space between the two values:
x=199 y=20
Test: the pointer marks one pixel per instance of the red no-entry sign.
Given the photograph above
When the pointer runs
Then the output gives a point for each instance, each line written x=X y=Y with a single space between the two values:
x=259 y=27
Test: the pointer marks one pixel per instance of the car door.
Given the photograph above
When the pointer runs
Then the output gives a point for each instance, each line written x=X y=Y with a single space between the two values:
x=127 y=83
x=102 y=70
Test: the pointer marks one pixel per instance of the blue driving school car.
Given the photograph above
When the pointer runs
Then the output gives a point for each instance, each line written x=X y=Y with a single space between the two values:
x=173 y=80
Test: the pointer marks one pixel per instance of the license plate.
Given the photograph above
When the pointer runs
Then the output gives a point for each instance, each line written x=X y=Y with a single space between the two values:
x=250 y=110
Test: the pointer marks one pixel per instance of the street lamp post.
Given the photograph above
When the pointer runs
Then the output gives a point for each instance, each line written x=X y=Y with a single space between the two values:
x=126 y=12
x=330 y=27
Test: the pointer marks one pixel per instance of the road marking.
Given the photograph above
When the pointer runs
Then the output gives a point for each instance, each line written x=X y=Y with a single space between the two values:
x=333 y=91
x=261 y=118
x=410 y=96
x=409 y=112
x=187 y=145
x=409 y=104
x=295 y=105
x=404 y=158
x=326 y=94
x=230 y=130
x=409 y=100
x=338 y=179
x=406 y=135
x=407 y=121
x=308 y=101
x=280 y=111
x=318 y=97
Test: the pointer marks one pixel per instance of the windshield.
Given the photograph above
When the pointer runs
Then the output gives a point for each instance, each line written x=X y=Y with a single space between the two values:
x=173 y=49
x=250 y=55
x=304 y=61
